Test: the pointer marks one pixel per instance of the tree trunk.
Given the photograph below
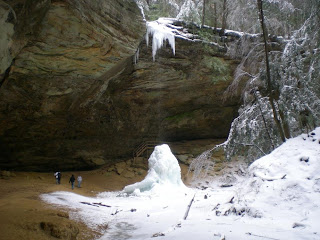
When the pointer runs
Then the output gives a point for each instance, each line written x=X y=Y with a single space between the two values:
x=215 y=16
x=224 y=15
x=269 y=85
x=203 y=12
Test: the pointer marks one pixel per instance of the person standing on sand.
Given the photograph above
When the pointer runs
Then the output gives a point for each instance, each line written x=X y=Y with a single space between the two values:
x=56 y=176
x=79 y=179
x=59 y=177
x=72 y=179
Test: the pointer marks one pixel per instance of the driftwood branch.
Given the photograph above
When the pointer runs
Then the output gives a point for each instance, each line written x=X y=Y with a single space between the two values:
x=251 y=234
x=267 y=178
x=188 y=209
x=116 y=212
x=95 y=204
x=231 y=200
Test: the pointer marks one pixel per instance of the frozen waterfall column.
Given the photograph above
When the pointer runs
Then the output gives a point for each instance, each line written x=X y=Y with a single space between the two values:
x=164 y=172
x=160 y=33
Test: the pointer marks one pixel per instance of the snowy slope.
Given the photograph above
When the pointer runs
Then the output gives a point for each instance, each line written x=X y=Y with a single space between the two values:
x=278 y=198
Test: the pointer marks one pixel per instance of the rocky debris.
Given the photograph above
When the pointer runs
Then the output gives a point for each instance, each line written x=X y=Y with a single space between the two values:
x=6 y=174
x=304 y=159
x=140 y=172
x=158 y=235
x=129 y=174
x=63 y=214
x=129 y=169
x=120 y=167
x=186 y=159
x=60 y=230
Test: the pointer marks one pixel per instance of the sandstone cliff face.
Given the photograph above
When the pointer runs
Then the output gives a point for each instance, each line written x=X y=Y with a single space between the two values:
x=178 y=97
x=73 y=99
x=62 y=55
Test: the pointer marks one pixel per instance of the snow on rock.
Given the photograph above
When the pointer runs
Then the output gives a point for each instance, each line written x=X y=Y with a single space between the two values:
x=164 y=171
x=160 y=34
x=283 y=186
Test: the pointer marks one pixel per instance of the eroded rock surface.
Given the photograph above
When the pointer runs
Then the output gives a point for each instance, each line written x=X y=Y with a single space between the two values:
x=73 y=99
x=59 y=57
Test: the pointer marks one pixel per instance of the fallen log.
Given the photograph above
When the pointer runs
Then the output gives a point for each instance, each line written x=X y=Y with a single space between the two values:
x=86 y=203
x=188 y=209
x=102 y=205
x=95 y=204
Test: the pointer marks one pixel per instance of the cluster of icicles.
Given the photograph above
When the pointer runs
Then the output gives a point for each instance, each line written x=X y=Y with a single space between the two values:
x=160 y=34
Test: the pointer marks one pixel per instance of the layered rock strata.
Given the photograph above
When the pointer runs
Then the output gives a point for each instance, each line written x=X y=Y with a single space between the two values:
x=72 y=98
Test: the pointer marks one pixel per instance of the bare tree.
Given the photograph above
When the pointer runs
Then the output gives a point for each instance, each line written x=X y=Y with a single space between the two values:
x=269 y=83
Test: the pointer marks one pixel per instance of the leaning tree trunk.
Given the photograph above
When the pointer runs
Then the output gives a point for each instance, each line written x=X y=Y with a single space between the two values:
x=269 y=85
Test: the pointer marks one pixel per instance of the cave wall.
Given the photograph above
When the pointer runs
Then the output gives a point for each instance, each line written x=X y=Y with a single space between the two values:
x=72 y=98
x=59 y=57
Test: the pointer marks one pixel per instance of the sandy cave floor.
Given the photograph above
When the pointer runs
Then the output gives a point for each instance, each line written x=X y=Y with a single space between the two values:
x=24 y=216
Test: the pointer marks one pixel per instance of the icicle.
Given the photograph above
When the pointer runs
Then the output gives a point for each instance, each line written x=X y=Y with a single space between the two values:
x=141 y=6
x=160 y=33
x=136 y=56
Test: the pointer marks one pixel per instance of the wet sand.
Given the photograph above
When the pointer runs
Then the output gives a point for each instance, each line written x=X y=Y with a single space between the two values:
x=24 y=216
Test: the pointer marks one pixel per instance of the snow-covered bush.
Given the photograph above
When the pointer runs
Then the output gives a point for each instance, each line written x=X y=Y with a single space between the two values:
x=190 y=11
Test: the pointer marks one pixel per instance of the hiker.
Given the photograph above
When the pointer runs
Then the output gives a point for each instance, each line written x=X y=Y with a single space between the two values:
x=56 y=177
x=59 y=177
x=79 y=179
x=72 y=179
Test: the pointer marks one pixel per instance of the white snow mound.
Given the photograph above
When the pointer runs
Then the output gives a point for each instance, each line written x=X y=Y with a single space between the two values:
x=164 y=170
x=285 y=185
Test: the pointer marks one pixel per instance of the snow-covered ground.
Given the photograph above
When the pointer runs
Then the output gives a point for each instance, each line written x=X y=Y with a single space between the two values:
x=278 y=197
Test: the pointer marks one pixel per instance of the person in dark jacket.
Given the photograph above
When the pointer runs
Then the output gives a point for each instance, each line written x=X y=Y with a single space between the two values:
x=59 y=177
x=72 y=179
x=56 y=177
